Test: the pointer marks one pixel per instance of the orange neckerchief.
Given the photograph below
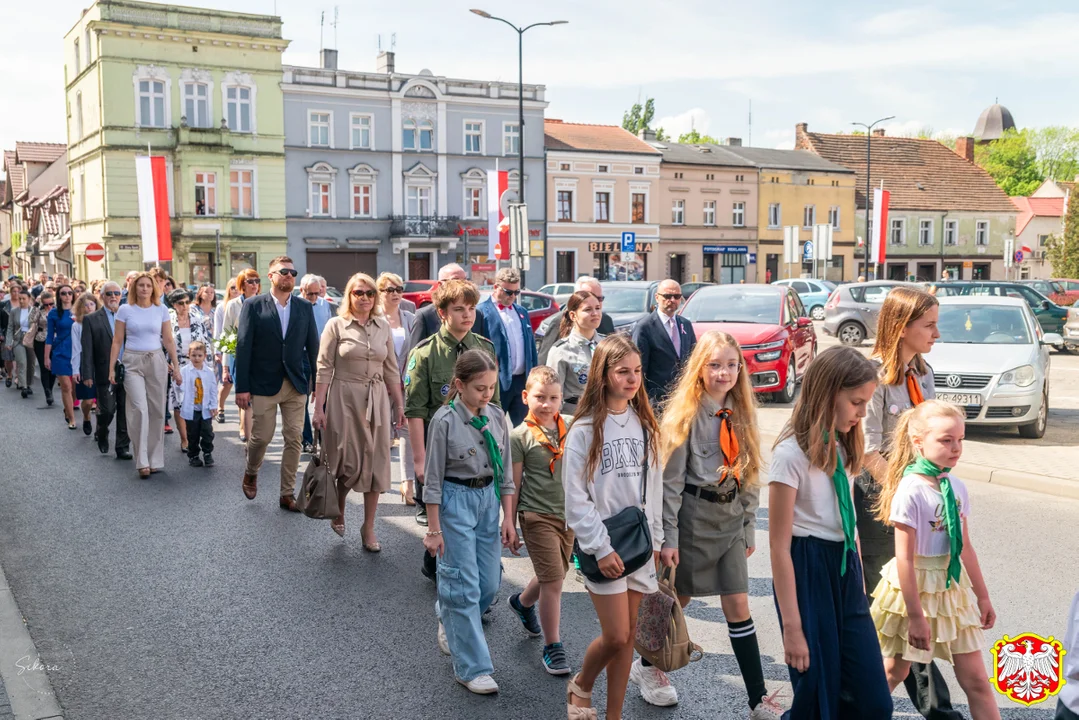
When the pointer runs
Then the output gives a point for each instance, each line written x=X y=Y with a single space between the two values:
x=542 y=439
x=914 y=389
x=728 y=443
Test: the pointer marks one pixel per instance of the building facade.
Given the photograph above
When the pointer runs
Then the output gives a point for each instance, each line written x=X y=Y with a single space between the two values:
x=34 y=219
x=1039 y=219
x=200 y=87
x=388 y=171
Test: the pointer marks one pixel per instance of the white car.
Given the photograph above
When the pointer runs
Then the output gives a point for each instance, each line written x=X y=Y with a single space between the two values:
x=993 y=360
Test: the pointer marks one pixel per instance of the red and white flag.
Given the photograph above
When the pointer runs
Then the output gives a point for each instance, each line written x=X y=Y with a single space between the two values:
x=498 y=227
x=152 y=183
x=878 y=241
x=1027 y=250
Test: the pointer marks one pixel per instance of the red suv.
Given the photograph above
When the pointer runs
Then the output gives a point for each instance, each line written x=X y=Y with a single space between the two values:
x=769 y=322
x=419 y=291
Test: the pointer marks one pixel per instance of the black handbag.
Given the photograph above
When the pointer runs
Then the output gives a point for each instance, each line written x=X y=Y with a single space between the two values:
x=118 y=372
x=629 y=533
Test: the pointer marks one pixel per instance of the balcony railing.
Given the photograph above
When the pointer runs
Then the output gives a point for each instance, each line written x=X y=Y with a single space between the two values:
x=423 y=226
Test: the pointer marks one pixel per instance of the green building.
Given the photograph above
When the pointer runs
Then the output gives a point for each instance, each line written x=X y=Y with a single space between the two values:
x=202 y=88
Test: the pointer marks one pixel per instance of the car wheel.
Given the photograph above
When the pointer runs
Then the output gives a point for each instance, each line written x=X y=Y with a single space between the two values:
x=817 y=312
x=851 y=333
x=786 y=395
x=1036 y=429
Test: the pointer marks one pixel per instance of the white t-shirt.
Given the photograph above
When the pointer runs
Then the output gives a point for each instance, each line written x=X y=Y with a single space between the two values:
x=142 y=326
x=816 y=507
x=919 y=505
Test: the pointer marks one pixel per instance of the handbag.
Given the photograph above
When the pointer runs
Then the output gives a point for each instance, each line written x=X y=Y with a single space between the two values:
x=318 y=494
x=629 y=534
x=119 y=372
x=662 y=636
x=28 y=338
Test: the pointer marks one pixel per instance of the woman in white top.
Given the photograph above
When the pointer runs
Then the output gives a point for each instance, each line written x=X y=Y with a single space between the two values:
x=142 y=328
x=247 y=286
x=390 y=287
x=86 y=396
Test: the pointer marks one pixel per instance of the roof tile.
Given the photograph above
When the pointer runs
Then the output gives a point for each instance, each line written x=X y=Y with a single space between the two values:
x=560 y=135
x=1031 y=207
x=39 y=152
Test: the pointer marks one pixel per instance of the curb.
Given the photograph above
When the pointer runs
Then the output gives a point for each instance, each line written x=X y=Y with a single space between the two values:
x=29 y=691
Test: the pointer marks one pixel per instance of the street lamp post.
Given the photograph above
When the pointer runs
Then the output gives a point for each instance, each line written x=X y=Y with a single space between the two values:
x=520 y=101
x=868 y=167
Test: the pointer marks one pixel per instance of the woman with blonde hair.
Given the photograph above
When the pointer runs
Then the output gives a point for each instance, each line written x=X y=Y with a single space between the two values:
x=247 y=285
x=710 y=448
x=357 y=401
x=86 y=395
x=401 y=321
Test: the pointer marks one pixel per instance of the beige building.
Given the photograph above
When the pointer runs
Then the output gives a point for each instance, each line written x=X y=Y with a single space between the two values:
x=602 y=181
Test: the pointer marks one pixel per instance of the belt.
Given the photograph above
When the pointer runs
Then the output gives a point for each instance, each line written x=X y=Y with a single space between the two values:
x=474 y=483
x=711 y=495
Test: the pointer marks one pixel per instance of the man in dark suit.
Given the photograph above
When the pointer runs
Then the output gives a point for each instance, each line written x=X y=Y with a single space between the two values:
x=665 y=340
x=550 y=325
x=97 y=329
x=511 y=334
x=277 y=333
x=428 y=323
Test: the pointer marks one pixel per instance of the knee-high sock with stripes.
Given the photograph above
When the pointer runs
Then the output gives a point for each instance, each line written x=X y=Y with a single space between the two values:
x=744 y=641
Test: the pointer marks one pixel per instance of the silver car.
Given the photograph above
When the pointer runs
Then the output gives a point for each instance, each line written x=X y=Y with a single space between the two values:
x=1071 y=329
x=993 y=361
x=852 y=309
x=561 y=291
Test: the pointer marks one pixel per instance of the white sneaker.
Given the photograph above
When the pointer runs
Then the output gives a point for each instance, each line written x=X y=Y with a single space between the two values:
x=768 y=709
x=443 y=643
x=656 y=689
x=482 y=685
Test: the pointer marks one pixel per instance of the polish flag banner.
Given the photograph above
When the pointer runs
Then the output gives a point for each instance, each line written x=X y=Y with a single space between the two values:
x=1027 y=250
x=498 y=229
x=879 y=240
x=152 y=183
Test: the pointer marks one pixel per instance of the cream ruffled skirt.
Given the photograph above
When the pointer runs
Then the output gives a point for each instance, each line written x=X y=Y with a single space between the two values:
x=952 y=612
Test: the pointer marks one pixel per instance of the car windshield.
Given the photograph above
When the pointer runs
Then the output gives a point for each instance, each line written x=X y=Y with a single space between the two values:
x=624 y=299
x=983 y=325
x=413 y=287
x=736 y=306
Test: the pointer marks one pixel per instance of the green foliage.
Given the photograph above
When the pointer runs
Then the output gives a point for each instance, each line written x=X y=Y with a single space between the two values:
x=662 y=136
x=1012 y=162
x=1057 y=148
x=639 y=117
x=693 y=137
x=1063 y=252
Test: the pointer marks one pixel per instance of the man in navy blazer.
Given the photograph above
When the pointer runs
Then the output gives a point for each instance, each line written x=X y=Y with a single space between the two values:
x=515 y=346
x=665 y=340
x=277 y=333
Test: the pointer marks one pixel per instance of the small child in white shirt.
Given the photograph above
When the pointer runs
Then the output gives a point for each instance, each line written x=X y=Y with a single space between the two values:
x=199 y=392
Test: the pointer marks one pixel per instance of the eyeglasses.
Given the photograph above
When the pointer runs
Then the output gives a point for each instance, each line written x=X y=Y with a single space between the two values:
x=66 y=293
x=511 y=293
x=393 y=289
x=47 y=304
x=287 y=271
x=311 y=294
x=364 y=293
x=670 y=296
x=112 y=293
x=732 y=368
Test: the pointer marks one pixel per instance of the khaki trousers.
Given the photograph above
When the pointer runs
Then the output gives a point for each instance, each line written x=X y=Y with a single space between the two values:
x=24 y=365
x=264 y=424
x=145 y=374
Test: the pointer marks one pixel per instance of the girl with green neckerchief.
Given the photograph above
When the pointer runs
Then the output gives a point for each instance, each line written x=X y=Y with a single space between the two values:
x=468 y=452
x=932 y=602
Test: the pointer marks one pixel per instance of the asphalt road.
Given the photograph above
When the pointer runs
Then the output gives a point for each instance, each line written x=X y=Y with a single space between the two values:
x=175 y=597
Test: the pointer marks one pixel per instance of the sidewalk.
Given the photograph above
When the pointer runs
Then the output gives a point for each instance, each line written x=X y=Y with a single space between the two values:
x=25 y=692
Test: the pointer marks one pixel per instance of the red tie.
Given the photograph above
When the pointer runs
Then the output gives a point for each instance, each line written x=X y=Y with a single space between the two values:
x=502 y=307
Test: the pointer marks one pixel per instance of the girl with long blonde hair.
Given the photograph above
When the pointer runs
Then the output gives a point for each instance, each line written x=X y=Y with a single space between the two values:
x=711 y=456
x=932 y=601
x=610 y=464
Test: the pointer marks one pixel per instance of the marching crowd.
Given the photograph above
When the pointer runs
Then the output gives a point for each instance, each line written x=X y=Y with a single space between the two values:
x=635 y=458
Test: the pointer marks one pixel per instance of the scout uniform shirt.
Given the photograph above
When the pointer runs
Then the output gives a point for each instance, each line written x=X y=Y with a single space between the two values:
x=429 y=372
x=456 y=449
x=885 y=407
x=571 y=357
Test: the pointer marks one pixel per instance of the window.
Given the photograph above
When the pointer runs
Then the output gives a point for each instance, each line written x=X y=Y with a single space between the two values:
x=833 y=216
x=775 y=215
x=240 y=261
x=678 y=213
x=238 y=108
x=678 y=175
x=511 y=138
x=152 y=103
x=774 y=179
x=197 y=105
x=418 y=199
x=205 y=193
x=78 y=58
x=408 y=135
x=564 y=208
x=318 y=128
x=78 y=115
x=809 y=216
x=951 y=232
x=473 y=202
x=738 y=216
x=321 y=195
x=427 y=135
x=82 y=193
x=710 y=212
x=981 y=233
x=637 y=207
x=89 y=48
x=603 y=207
x=564 y=167
x=242 y=191
x=710 y=176
x=835 y=183
x=638 y=170
x=899 y=231
x=473 y=137
x=603 y=168
x=811 y=181
x=361 y=129
x=925 y=232
x=739 y=178
x=362 y=206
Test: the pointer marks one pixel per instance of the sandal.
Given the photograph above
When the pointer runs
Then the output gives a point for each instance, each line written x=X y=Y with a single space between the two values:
x=144 y=473
x=373 y=547
x=576 y=712
x=407 y=493
x=338 y=528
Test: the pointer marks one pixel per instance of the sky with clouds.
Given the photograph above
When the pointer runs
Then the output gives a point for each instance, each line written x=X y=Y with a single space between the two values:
x=827 y=63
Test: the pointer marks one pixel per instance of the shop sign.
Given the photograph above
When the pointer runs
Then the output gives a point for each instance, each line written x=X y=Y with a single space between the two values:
x=535 y=248
x=616 y=247
x=482 y=231
x=725 y=249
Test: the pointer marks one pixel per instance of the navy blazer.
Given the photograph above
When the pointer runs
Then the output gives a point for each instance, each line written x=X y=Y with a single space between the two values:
x=263 y=358
x=659 y=363
x=489 y=310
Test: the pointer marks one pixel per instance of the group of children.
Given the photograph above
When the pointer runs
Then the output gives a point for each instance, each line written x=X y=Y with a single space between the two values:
x=694 y=477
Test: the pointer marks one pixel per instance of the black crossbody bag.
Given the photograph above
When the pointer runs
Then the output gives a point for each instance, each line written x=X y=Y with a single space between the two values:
x=629 y=533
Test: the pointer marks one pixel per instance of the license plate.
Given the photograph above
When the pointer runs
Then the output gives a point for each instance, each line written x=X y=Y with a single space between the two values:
x=960 y=398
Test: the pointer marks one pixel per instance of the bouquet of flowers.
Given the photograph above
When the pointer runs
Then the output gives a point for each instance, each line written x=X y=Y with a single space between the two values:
x=227 y=342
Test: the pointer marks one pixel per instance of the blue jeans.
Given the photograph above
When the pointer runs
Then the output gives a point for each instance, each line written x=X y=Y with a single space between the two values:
x=469 y=573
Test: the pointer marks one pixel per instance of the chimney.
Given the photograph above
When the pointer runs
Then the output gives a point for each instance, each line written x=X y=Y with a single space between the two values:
x=878 y=132
x=964 y=148
x=734 y=142
x=647 y=134
x=384 y=63
x=801 y=136
x=329 y=59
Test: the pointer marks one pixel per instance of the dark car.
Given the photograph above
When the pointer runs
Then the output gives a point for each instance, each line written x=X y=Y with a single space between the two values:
x=1050 y=316
x=627 y=301
x=1055 y=290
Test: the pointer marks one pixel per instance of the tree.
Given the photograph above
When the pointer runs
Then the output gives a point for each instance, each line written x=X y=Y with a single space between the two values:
x=693 y=137
x=1063 y=252
x=1012 y=162
x=639 y=117
x=1057 y=148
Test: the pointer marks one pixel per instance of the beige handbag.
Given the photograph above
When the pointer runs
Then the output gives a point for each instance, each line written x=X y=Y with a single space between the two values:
x=28 y=338
x=662 y=637
x=318 y=494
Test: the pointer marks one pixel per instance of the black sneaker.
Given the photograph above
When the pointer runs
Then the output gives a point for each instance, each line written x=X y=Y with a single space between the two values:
x=195 y=461
x=527 y=616
x=87 y=427
x=308 y=448
x=208 y=460
x=7 y=382
x=554 y=659
x=421 y=515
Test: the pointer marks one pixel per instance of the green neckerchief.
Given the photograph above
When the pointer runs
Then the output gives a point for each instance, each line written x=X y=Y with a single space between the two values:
x=846 y=506
x=923 y=466
x=480 y=423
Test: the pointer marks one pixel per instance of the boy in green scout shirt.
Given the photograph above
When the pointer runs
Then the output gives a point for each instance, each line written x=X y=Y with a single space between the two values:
x=430 y=371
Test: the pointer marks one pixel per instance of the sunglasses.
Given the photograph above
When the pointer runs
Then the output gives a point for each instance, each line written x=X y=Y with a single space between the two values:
x=47 y=304
x=253 y=281
x=393 y=289
x=66 y=293
x=112 y=293
x=671 y=296
x=182 y=303
x=287 y=272
x=364 y=293
x=511 y=293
